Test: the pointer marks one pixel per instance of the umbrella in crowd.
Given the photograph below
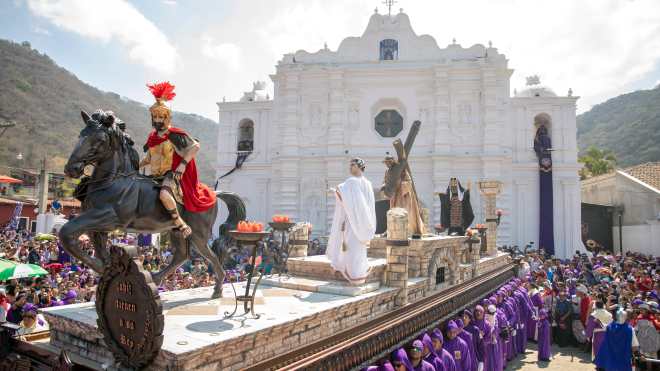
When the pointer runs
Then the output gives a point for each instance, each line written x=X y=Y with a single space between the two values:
x=10 y=270
x=10 y=180
x=45 y=237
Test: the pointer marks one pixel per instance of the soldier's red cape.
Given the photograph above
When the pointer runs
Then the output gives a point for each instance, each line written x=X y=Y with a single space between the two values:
x=197 y=197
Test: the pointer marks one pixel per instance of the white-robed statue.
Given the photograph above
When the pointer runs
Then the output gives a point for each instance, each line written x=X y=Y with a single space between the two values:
x=353 y=226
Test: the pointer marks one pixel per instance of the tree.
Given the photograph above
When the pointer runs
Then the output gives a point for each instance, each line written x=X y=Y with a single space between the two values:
x=597 y=162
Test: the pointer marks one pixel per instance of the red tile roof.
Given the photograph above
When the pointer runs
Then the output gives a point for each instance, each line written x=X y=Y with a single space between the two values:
x=648 y=173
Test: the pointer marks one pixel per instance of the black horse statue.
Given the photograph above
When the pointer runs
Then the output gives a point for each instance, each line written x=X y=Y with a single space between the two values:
x=116 y=196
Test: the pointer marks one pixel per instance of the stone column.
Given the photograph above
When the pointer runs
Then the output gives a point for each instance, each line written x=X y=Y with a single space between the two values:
x=397 y=253
x=299 y=241
x=489 y=190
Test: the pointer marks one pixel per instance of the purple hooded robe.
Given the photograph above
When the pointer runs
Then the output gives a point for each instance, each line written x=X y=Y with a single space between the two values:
x=469 y=341
x=544 y=336
x=458 y=349
x=432 y=357
x=447 y=360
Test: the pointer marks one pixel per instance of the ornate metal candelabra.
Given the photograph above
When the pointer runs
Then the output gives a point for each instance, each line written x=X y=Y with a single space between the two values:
x=283 y=228
x=247 y=239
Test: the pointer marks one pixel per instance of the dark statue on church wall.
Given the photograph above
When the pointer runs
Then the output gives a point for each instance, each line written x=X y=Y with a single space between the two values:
x=456 y=213
x=543 y=149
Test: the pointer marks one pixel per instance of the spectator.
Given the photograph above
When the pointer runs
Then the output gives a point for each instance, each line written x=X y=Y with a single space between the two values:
x=618 y=345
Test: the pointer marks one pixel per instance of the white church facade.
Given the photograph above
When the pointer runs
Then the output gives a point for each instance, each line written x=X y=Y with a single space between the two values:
x=330 y=106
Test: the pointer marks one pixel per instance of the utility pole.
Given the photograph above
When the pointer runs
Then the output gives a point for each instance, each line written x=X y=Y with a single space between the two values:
x=43 y=197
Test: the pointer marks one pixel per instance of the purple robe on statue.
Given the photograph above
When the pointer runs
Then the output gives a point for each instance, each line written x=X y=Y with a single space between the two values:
x=544 y=336
x=458 y=349
x=542 y=147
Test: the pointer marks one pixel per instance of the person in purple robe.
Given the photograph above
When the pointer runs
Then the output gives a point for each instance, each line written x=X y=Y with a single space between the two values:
x=400 y=361
x=382 y=365
x=477 y=338
x=416 y=359
x=438 y=344
x=544 y=336
x=467 y=338
x=596 y=325
x=526 y=311
x=457 y=348
x=537 y=302
x=430 y=354
x=502 y=330
x=490 y=333
x=508 y=312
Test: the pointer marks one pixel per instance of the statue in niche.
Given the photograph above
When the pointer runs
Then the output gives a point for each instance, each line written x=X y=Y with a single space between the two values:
x=456 y=211
x=543 y=148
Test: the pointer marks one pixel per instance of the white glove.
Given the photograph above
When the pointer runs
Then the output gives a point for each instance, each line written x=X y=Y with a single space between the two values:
x=480 y=367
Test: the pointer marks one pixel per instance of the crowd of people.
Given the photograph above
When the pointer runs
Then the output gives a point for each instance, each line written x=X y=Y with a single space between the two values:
x=69 y=282
x=606 y=305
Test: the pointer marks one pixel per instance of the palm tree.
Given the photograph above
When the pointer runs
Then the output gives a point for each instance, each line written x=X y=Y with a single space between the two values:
x=597 y=162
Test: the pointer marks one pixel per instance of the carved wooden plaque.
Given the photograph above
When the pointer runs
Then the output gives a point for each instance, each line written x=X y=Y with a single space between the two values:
x=130 y=313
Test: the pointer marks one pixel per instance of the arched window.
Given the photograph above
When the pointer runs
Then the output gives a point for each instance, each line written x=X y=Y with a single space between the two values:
x=245 y=135
x=389 y=50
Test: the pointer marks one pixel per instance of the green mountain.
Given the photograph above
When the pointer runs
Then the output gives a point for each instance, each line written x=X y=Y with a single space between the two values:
x=628 y=125
x=44 y=101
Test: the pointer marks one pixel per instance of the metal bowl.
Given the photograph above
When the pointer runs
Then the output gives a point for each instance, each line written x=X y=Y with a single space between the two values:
x=248 y=236
x=281 y=226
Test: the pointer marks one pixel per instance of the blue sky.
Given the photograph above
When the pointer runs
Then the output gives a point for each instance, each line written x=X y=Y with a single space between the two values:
x=211 y=49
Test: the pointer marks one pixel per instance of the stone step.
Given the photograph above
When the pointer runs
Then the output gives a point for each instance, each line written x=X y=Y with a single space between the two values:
x=318 y=267
x=318 y=285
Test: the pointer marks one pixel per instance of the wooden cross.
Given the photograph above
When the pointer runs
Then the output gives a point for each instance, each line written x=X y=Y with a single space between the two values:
x=402 y=151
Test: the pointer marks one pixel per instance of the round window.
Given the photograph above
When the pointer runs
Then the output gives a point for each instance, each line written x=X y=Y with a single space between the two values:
x=388 y=123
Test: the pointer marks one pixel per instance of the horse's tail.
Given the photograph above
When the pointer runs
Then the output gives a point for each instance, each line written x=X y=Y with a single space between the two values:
x=236 y=208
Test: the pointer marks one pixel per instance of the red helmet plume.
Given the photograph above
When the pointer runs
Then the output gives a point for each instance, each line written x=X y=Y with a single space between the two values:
x=162 y=90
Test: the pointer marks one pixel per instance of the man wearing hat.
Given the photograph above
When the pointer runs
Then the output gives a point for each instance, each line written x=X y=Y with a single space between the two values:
x=415 y=355
x=438 y=344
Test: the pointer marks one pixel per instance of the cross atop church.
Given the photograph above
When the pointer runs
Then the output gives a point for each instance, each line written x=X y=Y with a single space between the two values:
x=388 y=4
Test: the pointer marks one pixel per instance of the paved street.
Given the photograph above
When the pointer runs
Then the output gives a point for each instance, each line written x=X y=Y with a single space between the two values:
x=563 y=359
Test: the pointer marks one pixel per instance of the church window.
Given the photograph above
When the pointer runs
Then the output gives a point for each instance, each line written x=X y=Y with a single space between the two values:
x=246 y=135
x=389 y=123
x=389 y=50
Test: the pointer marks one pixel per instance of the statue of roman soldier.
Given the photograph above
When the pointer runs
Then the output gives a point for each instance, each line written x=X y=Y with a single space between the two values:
x=456 y=211
x=171 y=158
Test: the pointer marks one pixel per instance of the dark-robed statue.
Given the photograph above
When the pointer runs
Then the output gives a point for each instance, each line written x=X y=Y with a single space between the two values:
x=543 y=149
x=456 y=211
x=116 y=196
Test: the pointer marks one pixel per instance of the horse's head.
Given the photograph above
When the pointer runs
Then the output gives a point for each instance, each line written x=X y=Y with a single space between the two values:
x=97 y=141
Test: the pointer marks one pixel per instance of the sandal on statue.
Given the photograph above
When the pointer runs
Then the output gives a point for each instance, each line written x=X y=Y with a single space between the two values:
x=184 y=229
x=179 y=225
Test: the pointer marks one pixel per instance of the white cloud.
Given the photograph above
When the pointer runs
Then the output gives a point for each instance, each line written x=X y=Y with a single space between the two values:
x=596 y=47
x=228 y=53
x=112 y=20
x=40 y=31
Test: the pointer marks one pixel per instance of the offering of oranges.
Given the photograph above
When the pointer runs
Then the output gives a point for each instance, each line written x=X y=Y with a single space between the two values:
x=247 y=226
x=281 y=219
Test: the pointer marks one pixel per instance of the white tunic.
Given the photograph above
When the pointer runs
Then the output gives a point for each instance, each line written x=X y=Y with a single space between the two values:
x=353 y=227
